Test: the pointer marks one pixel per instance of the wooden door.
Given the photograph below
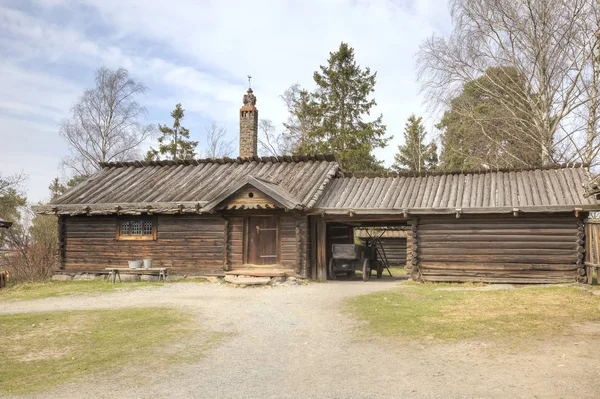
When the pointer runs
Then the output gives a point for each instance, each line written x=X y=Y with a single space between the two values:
x=262 y=241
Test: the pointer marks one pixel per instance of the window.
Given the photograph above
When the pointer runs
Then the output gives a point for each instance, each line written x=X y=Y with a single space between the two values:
x=139 y=228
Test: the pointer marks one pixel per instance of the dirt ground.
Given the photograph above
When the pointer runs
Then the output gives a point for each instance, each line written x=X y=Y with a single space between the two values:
x=294 y=342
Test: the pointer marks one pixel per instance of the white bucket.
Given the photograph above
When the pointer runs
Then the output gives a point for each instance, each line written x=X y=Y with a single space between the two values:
x=135 y=264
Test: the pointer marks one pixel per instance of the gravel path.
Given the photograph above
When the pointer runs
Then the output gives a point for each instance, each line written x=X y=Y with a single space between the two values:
x=293 y=342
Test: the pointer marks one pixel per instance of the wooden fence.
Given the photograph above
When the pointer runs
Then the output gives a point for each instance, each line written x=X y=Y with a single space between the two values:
x=592 y=249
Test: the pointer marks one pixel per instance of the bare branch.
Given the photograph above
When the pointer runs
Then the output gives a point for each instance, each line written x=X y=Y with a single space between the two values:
x=217 y=144
x=104 y=123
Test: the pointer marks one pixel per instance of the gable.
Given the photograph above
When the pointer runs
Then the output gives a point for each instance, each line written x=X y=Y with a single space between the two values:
x=248 y=197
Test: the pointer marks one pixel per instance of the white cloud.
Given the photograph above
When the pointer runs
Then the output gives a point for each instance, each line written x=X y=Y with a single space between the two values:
x=199 y=53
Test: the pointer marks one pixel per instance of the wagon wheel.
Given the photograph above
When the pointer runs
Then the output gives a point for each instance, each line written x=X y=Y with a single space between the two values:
x=332 y=275
x=366 y=270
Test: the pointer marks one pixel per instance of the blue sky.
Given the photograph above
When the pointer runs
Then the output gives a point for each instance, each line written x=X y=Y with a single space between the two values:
x=197 y=53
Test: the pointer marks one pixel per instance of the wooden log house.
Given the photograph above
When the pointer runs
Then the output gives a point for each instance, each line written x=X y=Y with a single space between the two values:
x=205 y=217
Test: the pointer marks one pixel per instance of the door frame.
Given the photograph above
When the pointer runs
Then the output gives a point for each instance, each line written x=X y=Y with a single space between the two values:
x=246 y=248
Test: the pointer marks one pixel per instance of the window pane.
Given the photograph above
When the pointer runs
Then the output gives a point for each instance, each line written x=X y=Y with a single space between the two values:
x=125 y=228
x=147 y=231
x=136 y=227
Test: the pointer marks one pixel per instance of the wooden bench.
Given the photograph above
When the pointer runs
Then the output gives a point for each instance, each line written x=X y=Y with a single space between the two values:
x=115 y=272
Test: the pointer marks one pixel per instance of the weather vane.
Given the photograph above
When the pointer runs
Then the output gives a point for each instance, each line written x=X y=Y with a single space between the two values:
x=249 y=77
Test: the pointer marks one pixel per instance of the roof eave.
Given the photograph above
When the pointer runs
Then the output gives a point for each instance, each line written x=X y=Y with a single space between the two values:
x=453 y=211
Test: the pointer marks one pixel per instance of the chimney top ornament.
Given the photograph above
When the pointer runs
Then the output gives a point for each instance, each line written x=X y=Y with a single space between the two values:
x=249 y=98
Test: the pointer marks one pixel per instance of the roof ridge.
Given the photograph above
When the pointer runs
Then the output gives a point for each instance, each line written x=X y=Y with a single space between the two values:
x=224 y=160
x=410 y=173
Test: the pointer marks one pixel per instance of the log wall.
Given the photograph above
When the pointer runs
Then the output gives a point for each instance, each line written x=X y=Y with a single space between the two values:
x=541 y=248
x=188 y=244
x=395 y=249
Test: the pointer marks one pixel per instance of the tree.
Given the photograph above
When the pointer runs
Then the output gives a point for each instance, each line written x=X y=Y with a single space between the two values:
x=592 y=91
x=300 y=120
x=414 y=154
x=479 y=132
x=217 y=144
x=104 y=123
x=58 y=188
x=271 y=143
x=332 y=118
x=12 y=197
x=545 y=42
x=174 y=142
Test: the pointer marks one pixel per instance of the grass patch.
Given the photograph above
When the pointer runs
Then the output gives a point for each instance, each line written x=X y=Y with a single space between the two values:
x=50 y=289
x=396 y=271
x=419 y=311
x=42 y=350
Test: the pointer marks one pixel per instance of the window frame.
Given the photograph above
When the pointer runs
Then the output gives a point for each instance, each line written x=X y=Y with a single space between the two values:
x=143 y=237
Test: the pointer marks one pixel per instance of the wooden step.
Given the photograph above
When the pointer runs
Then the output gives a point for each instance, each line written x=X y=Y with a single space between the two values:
x=247 y=280
x=256 y=273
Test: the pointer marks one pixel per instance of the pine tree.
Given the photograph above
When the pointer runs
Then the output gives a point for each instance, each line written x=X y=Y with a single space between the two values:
x=174 y=142
x=415 y=154
x=481 y=131
x=57 y=188
x=338 y=108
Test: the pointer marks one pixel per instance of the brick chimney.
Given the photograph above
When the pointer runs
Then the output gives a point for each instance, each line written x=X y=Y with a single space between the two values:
x=249 y=126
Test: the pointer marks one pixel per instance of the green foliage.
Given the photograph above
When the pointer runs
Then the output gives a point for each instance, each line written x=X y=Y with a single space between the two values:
x=415 y=154
x=335 y=113
x=174 y=142
x=57 y=188
x=12 y=197
x=480 y=130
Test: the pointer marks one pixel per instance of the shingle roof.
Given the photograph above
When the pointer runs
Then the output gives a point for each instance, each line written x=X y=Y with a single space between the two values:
x=536 y=190
x=173 y=185
x=311 y=183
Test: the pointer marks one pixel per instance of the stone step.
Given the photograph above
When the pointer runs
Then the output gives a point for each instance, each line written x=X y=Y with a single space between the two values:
x=247 y=280
x=256 y=273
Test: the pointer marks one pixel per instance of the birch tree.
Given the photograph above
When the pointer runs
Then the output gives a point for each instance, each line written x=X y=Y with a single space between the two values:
x=104 y=125
x=546 y=42
x=217 y=144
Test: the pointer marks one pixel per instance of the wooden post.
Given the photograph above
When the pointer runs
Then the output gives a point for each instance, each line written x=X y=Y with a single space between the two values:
x=321 y=249
x=313 y=247
x=61 y=242
x=584 y=273
x=226 y=245
x=415 y=273
x=298 y=244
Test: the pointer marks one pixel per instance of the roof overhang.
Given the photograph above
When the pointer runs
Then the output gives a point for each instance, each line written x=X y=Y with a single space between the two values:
x=453 y=211
x=120 y=209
